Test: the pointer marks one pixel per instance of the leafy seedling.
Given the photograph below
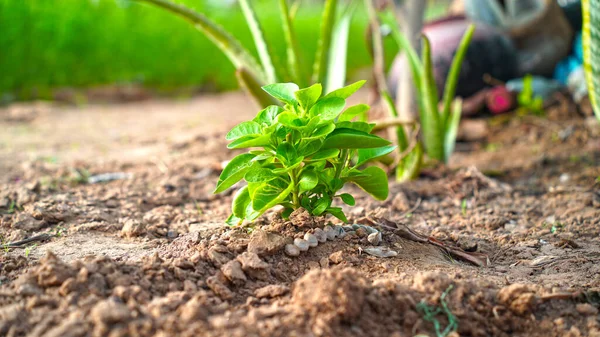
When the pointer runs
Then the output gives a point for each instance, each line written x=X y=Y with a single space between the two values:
x=302 y=154
x=528 y=101
x=28 y=250
x=430 y=313
x=463 y=207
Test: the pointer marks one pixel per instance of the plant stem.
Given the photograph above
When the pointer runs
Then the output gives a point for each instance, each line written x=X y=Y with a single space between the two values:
x=295 y=192
x=391 y=122
x=344 y=158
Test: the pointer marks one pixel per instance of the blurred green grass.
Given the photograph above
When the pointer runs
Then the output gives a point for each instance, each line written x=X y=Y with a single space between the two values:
x=47 y=44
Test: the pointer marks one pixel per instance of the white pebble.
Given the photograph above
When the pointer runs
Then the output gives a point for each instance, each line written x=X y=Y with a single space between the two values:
x=374 y=238
x=320 y=234
x=380 y=252
x=301 y=244
x=292 y=250
x=312 y=240
x=330 y=232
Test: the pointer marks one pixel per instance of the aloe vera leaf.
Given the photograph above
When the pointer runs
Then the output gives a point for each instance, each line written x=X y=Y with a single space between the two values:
x=433 y=131
x=254 y=88
x=231 y=47
x=262 y=47
x=292 y=50
x=338 y=52
x=591 y=51
x=452 y=79
x=323 y=47
x=452 y=129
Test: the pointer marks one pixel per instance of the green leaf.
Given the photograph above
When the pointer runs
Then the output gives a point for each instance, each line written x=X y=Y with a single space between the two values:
x=259 y=41
x=338 y=51
x=282 y=91
x=453 y=74
x=348 y=199
x=338 y=213
x=346 y=91
x=433 y=130
x=267 y=196
x=354 y=111
x=244 y=129
x=232 y=48
x=259 y=175
x=321 y=205
x=352 y=139
x=323 y=47
x=372 y=180
x=326 y=154
x=322 y=131
x=359 y=126
x=452 y=129
x=287 y=153
x=290 y=120
x=292 y=49
x=308 y=180
x=234 y=171
x=591 y=56
x=365 y=155
x=309 y=147
x=233 y=220
x=241 y=200
x=250 y=141
x=308 y=96
x=328 y=108
x=290 y=166
x=268 y=115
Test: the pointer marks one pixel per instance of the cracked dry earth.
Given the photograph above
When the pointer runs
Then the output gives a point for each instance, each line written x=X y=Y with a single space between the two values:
x=149 y=255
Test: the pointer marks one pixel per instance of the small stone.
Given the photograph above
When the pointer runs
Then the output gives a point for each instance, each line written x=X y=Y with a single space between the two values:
x=132 y=228
x=219 y=288
x=362 y=232
x=234 y=273
x=320 y=234
x=330 y=232
x=172 y=234
x=291 y=250
x=109 y=312
x=324 y=262
x=217 y=257
x=348 y=228
x=356 y=226
x=586 y=309
x=253 y=266
x=265 y=243
x=312 y=239
x=374 y=238
x=370 y=229
x=337 y=257
x=302 y=244
x=272 y=290
x=380 y=252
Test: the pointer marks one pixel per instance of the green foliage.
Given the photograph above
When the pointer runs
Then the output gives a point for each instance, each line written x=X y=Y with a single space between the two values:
x=429 y=314
x=528 y=102
x=302 y=155
x=591 y=50
x=330 y=58
x=439 y=128
x=45 y=46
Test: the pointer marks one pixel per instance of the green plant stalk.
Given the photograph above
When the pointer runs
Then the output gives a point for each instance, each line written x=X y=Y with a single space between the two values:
x=433 y=129
x=293 y=52
x=591 y=51
x=262 y=47
x=251 y=85
x=323 y=49
x=231 y=47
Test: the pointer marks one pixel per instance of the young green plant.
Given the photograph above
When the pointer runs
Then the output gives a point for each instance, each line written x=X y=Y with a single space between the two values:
x=302 y=154
x=439 y=128
x=329 y=67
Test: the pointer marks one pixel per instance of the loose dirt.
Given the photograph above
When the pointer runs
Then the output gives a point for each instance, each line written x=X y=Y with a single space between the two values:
x=148 y=254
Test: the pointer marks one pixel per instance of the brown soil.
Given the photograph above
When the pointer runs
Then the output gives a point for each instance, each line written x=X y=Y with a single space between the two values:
x=150 y=256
